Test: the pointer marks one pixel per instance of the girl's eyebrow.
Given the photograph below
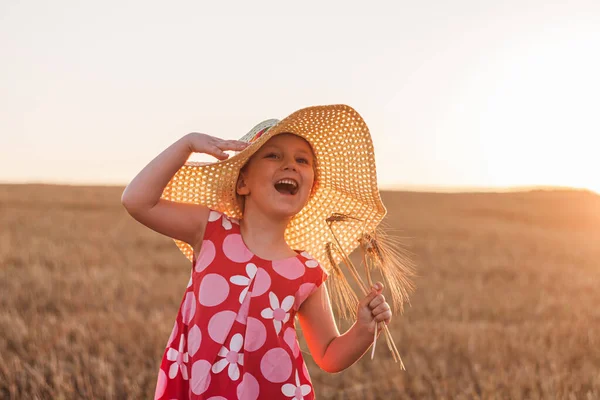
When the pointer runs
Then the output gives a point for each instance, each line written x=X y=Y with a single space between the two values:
x=266 y=146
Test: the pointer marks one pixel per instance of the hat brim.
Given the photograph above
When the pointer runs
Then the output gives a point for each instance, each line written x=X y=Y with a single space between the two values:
x=347 y=181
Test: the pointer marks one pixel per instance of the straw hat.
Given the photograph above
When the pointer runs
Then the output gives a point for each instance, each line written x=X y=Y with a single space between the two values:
x=346 y=180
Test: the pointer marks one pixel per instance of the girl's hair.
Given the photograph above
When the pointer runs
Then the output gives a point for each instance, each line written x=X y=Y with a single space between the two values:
x=240 y=199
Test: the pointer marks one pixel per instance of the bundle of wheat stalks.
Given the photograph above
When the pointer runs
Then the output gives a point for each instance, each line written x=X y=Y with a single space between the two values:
x=380 y=252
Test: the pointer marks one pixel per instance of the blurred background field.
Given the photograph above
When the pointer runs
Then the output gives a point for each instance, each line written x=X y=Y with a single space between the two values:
x=506 y=303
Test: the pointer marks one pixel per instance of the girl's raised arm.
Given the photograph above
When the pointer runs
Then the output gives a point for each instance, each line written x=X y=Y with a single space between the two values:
x=141 y=197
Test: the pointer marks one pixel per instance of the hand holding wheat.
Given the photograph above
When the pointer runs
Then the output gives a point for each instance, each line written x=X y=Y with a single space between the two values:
x=377 y=254
x=373 y=309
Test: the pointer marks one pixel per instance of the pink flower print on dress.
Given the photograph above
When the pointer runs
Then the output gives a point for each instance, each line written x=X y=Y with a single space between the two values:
x=179 y=359
x=289 y=268
x=213 y=215
x=232 y=357
x=310 y=262
x=206 y=256
x=238 y=350
x=226 y=224
x=191 y=278
x=305 y=290
x=279 y=314
x=297 y=392
x=242 y=280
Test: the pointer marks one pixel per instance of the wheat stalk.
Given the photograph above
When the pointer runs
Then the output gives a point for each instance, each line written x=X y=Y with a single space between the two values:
x=354 y=272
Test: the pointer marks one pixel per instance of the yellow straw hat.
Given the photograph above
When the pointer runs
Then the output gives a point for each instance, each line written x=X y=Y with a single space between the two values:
x=346 y=179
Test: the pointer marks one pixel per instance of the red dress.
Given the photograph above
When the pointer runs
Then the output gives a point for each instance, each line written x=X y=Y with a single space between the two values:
x=234 y=336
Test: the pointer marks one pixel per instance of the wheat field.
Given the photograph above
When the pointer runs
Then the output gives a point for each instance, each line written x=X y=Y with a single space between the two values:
x=506 y=306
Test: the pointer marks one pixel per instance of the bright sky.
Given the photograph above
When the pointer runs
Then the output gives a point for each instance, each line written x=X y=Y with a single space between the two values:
x=455 y=93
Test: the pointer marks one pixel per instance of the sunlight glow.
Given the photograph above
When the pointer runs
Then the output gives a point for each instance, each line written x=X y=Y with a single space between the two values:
x=540 y=120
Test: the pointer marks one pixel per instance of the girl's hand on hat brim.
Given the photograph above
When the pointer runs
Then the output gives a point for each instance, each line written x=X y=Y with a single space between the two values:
x=203 y=143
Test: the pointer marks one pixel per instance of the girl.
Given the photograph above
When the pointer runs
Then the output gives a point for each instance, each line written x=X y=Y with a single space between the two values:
x=257 y=227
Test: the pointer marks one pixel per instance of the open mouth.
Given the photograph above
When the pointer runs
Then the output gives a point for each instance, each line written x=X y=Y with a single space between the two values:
x=287 y=186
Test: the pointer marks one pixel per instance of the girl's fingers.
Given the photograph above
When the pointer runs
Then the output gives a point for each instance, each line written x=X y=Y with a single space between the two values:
x=379 y=299
x=366 y=301
x=384 y=316
x=382 y=313
x=383 y=307
x=232 y=145
x=217 y=152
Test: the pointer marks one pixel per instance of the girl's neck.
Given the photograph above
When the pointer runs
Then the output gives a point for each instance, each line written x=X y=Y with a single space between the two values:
x=265 y=235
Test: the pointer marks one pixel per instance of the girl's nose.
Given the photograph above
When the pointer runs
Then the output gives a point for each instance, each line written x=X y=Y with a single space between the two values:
x=290 y=167
x=289 y=164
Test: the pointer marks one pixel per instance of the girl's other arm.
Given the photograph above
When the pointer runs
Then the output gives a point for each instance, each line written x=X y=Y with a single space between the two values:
x=334 y=352
x=141 y=197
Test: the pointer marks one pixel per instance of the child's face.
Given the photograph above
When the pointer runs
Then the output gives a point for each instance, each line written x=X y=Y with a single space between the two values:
x=279 y=177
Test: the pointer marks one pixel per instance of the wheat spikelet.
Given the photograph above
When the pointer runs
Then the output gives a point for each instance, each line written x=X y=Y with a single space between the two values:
x=382 y=253
x=379 y=254
x=342 y=294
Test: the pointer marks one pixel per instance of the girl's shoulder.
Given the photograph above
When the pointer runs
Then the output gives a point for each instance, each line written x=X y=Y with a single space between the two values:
x=217 y=226
x=219 y=221
x=312 y=263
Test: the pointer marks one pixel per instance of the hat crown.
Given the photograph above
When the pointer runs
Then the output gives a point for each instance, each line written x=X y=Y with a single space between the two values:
x=259 y=130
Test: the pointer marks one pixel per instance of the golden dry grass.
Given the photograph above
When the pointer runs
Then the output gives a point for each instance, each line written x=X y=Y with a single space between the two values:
x=506 y=306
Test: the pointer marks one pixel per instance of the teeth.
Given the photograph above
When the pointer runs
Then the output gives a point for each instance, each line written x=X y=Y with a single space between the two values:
x=288 y=181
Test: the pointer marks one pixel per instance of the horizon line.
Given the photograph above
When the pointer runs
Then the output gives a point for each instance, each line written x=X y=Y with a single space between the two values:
x=383 y=187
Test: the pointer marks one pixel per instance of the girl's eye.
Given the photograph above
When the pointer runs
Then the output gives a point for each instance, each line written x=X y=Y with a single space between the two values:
x=271 y=155
x=302 y=160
